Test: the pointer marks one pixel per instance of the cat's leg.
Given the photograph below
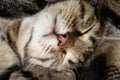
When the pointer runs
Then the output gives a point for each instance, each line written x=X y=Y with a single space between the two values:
x=113 y=62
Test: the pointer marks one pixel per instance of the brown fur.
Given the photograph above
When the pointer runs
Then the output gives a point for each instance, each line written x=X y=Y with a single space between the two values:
x=80 y=20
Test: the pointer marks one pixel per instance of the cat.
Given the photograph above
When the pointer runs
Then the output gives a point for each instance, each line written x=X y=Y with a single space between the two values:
x=63 y=36
x=65 y=29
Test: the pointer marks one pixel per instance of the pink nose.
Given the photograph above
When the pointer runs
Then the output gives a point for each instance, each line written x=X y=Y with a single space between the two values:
x=63 y=39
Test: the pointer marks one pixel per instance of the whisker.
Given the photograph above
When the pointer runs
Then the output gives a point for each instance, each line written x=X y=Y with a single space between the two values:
x=30 y=56
x=27 y=58
x=33 y=65
x=107 y=38
x=29 y=65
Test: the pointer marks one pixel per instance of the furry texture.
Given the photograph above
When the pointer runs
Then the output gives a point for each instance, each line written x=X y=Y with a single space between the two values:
x=112 y=4
x=104 y=63
x=41 y=44
x=63 y=36
x=108 y=10
x=21 y=8
x=38 y=45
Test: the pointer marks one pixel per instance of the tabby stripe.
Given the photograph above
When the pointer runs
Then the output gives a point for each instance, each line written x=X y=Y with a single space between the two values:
x=42 y=59
x=112 y=68
x=112 y=73
x=25 y=48
x=113 y=77
x=82 y=10
x=18 y=27
x=2 y=38
x=12 y=45
x=8 y=72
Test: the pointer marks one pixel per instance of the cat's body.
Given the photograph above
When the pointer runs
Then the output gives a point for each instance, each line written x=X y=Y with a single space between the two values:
x=112 y=4
x=58 y=38
x=21 y=8
x=109 y=10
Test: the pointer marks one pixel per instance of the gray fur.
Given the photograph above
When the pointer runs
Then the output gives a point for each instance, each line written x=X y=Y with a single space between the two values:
x=109 y=42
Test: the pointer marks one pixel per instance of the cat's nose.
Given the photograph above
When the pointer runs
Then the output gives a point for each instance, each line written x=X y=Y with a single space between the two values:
x=62 y=39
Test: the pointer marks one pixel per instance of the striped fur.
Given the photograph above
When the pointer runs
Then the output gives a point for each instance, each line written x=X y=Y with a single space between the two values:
x=61 y=37
x=38 y=45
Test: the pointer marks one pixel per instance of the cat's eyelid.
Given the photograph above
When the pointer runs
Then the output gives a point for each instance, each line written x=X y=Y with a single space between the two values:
x=87 y=30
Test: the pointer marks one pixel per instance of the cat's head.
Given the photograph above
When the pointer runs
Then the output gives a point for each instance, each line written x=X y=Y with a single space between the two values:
x=59 y=36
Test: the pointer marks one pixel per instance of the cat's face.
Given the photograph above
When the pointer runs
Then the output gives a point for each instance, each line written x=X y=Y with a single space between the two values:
x=59 y=36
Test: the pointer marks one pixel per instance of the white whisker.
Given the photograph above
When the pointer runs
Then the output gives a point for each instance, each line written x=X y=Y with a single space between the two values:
x=27 y=58
x=29 y=66
x=108 y=38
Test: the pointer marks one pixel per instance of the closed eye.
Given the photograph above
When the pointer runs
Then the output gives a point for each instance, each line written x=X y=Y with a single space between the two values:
x=85 y=31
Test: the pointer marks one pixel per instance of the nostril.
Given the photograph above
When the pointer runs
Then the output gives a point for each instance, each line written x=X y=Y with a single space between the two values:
x=62 y=39
x=59 y=42
x=65 y=35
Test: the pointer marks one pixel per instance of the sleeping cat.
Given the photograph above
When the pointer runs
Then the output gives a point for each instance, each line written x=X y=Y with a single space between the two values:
x=58 y=36
x=58 y=39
